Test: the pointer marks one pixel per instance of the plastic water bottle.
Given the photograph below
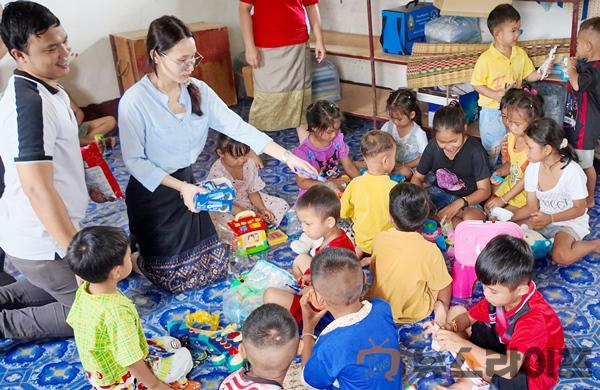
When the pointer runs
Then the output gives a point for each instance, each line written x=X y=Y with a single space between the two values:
x=293 y=225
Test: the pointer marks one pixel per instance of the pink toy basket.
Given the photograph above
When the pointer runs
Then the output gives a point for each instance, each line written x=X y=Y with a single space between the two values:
x=470 y=237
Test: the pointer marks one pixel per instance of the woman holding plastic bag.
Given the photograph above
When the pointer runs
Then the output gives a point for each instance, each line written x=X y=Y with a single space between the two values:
x=164 y=120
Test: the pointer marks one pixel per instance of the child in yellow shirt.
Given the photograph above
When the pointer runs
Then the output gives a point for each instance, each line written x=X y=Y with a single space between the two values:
x=410 y=272
x=366 y=198
x=499 y=68
x=525 y=107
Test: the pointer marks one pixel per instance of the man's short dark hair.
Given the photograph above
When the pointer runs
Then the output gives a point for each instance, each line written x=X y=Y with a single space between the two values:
x=591 y=24
x=501 y=14
x=375 y=142
x=323 y=200
x=269 y=325
x=21 y=20
x=95 y=251
x=342 y=267
x=409 y=206
x=505 y=260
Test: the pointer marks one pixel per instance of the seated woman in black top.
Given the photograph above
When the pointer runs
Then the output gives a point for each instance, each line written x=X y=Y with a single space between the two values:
x=459 y=164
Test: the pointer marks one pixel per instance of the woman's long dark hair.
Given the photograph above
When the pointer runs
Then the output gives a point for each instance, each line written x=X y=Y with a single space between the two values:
x=164 y=33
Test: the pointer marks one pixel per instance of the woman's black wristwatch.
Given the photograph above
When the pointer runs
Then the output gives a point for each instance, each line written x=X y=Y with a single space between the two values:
x=465 y=203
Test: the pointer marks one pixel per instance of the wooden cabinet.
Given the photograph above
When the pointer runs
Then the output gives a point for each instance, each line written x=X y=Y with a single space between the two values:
x=212 y=41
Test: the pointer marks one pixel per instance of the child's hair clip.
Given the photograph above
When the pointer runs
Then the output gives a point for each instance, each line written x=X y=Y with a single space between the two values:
x=530 y=90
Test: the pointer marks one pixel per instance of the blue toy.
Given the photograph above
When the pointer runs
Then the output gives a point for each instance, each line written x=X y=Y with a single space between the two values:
x=540 y=245
x=499 y=179
x=222 y=343
x=219 y=197
x=310 y=175
x=398 y=178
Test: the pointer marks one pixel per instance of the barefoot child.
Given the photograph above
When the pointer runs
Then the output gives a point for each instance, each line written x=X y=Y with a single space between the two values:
x=556 y=193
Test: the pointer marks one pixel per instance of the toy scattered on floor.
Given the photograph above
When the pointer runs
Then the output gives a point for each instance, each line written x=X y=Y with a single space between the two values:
x=276 y=237
x=98 y=174
x=222 y=343
x=251 y=232
x=246 y=292
x=219 y=197
x=164 y=346
x=186 y=384
x=442 y=235
x=202 y=317
x=540 y=245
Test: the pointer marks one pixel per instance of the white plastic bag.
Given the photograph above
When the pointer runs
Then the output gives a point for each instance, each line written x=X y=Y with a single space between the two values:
x=453 y=29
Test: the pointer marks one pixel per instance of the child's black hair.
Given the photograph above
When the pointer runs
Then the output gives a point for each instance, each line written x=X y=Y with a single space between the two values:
x=505 y=260
x=591 y=24
x=450 y=117
x=269 y=325
x=339 y=263
x=375 y=142
x=501 y=14
x=231 y=146
x=508 y=98
x=95 y=251
x=405 y=101
x=546 y=131
x=21 y=20
x=322 y=199
x=321 y=114
x=409 y=206
x=529 y=101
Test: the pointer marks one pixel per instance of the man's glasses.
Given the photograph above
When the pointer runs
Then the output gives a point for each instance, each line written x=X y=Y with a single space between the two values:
x=186 y=63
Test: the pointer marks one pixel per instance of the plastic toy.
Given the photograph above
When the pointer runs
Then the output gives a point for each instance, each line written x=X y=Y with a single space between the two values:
x=545 y=67
x=398 y=178
x=276 y=237
x=251 y=233
x=499 y=179
x=193 y=320
x=443 y=236
x=310 y=175
x=540 y=245
x=222 y=343
x=470 y=239
x=219 y=197
x=186 y=384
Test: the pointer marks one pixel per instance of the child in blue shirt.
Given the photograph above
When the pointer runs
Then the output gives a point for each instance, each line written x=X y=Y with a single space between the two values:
x=360 y=348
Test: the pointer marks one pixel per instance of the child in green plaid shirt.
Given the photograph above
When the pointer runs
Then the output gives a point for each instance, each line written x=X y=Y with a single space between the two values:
x=108 y=333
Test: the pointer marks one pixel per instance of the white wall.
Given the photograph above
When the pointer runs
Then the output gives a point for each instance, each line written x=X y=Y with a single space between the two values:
x=89 y=22
x=350 y=16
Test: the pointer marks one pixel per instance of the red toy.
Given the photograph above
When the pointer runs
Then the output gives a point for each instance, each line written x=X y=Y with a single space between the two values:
x=251 y=232
x=97 y=172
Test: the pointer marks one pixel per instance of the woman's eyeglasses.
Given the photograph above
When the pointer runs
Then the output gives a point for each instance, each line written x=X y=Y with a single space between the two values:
x=186 y=63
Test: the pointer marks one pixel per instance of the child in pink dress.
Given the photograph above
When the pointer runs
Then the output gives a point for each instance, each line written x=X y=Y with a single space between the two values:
x=234 y=164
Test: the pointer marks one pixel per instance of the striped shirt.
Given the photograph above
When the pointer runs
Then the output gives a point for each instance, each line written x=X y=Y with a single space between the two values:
x=241 y=380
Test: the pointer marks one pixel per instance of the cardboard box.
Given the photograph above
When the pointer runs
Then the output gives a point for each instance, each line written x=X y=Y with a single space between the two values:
x=475 y=8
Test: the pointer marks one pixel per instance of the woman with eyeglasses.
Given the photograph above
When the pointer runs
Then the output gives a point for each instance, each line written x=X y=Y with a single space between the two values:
x=276 y=45
x=164 y=120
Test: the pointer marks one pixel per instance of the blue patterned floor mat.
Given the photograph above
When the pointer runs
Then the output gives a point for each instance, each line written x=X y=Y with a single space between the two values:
x=573 y=291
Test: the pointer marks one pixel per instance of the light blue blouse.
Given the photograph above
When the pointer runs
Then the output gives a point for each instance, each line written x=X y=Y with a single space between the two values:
x=155 y=143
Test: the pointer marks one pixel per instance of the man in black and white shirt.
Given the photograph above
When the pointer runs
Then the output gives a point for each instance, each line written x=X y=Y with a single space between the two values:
x=45 y=197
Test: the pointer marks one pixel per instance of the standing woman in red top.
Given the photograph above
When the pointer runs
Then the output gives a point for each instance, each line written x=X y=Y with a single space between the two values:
x=276 y=42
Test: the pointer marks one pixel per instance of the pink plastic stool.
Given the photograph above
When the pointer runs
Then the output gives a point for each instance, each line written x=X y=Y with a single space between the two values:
x=470 y=237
